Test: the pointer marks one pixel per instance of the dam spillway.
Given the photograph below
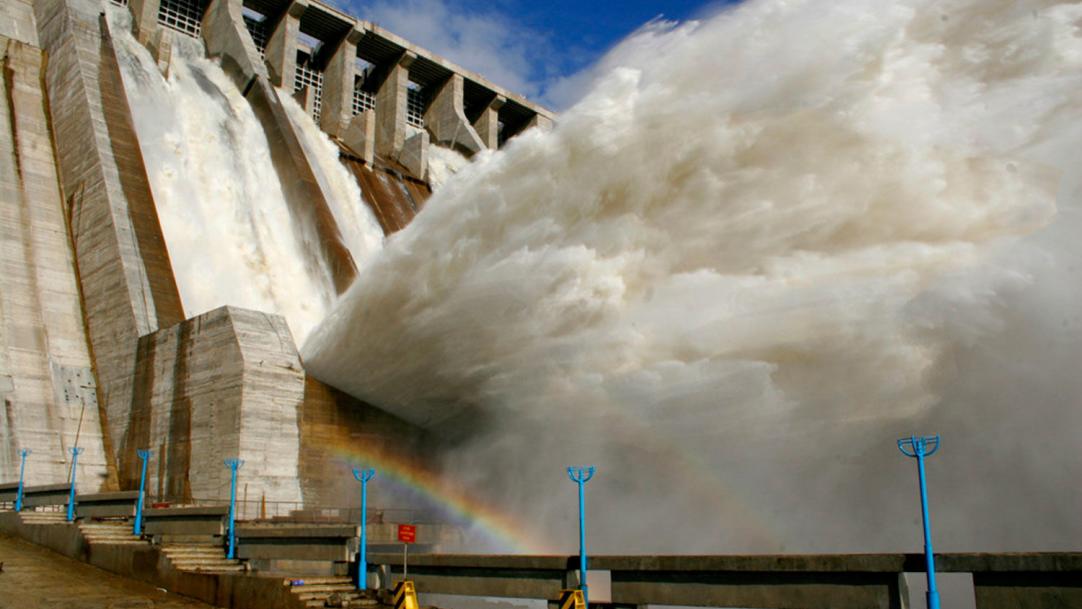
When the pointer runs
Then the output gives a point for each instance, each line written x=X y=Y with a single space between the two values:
x=185 y=196
x=732 y=288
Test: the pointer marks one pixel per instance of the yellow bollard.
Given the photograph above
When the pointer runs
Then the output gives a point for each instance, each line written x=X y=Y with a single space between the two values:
x=569 y=599
x=405 y=596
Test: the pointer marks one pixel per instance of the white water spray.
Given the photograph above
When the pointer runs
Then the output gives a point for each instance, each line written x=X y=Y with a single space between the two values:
x=763 y=247
x=227 y=224
x=359 y=227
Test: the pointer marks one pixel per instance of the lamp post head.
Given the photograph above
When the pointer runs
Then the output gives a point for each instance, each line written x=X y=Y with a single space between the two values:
x=234 y=463
x=582 y=474
x=363 y=475
x=25 y=452
x=76 y=450
x=919 y=446
x=143 y=453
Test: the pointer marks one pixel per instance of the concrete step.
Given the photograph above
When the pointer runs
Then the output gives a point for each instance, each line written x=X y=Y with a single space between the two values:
x=323 y=589
x=308 y=596
x=196 y=555
x=43 y=518
x=357 y=602
x=211 y=568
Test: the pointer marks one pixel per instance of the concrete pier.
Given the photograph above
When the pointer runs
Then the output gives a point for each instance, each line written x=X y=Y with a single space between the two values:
x=47 y=385
x=125 y=276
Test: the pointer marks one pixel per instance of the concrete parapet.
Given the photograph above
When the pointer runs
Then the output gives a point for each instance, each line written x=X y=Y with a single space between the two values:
x=445 y=118
x=107 y=505
x=226 y=38
x=206 y=521
x=46 y=495
x=487 y=124
x=297 y=542
x=227 y=383
x=281 y=51
x=338 y=80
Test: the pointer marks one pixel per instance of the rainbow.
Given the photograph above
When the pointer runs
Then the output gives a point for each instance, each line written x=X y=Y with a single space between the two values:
x=498 y=529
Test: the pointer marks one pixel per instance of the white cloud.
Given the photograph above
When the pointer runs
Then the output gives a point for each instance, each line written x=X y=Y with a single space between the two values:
x=490 y=44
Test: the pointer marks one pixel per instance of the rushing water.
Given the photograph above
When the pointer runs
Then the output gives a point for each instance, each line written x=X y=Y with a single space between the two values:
x=226 y=220
x=764 y=246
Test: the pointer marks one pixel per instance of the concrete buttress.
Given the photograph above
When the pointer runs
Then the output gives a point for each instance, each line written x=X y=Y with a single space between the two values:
x=124 y=270
x=47 y=387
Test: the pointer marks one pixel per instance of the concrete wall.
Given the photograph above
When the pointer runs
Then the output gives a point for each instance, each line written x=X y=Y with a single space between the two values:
x=17 y=21
x=124 y=271
x=225 y=384
x=47 y=386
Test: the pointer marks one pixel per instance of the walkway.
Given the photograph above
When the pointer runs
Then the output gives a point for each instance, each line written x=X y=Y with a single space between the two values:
x=36 y=578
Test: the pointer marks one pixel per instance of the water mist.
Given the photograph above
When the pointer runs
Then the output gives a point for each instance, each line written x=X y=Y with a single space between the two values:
x=764 y=246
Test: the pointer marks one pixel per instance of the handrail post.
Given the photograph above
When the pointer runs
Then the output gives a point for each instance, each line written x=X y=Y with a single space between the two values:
x=75 y=452
x=920 y=447
x=363 y=476
x=144 y=456
x=582 y=475
x=233 y=465
x=22 y=470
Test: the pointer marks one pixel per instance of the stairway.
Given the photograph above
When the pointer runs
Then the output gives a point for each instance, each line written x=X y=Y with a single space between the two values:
x=328 y=592
x=117 y=532
x=201 y=558
x=31 y=517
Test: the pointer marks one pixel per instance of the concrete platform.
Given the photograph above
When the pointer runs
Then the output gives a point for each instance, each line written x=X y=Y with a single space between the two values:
x=36 y=578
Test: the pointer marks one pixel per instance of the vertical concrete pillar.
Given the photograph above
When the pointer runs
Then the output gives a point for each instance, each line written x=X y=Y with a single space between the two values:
x=539 y=120
x=144 y=17
x=414 y=155
x=227 y=39
x=360 y=136
x=487 y=124
x=306 y=98
x=391 y=107
x=445 y=117
x=338 y=85
x=281 y=52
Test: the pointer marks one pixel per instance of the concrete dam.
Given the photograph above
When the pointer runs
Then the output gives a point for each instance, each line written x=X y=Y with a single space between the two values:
x=230 y=233
x=160 y=160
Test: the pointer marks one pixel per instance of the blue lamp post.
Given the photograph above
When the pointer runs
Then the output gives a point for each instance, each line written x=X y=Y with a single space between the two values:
x=22 y=470
x=75 y=452
x=233 y=465
x=144 y=456
x=920 y=447
x=582 y=475
x=363 y=476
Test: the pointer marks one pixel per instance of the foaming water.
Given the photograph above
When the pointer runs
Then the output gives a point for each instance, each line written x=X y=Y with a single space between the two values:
x=360 y=230
x=760 y=249
x=226 y=221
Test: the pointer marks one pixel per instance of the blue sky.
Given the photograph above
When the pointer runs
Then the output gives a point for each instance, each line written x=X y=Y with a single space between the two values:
x=526 y=46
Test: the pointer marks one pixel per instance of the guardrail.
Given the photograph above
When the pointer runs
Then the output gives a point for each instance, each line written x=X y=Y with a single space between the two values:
x=1038 y=580
x=298 y=511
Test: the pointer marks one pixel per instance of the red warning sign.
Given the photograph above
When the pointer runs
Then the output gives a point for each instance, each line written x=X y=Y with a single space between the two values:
x=407 y=533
